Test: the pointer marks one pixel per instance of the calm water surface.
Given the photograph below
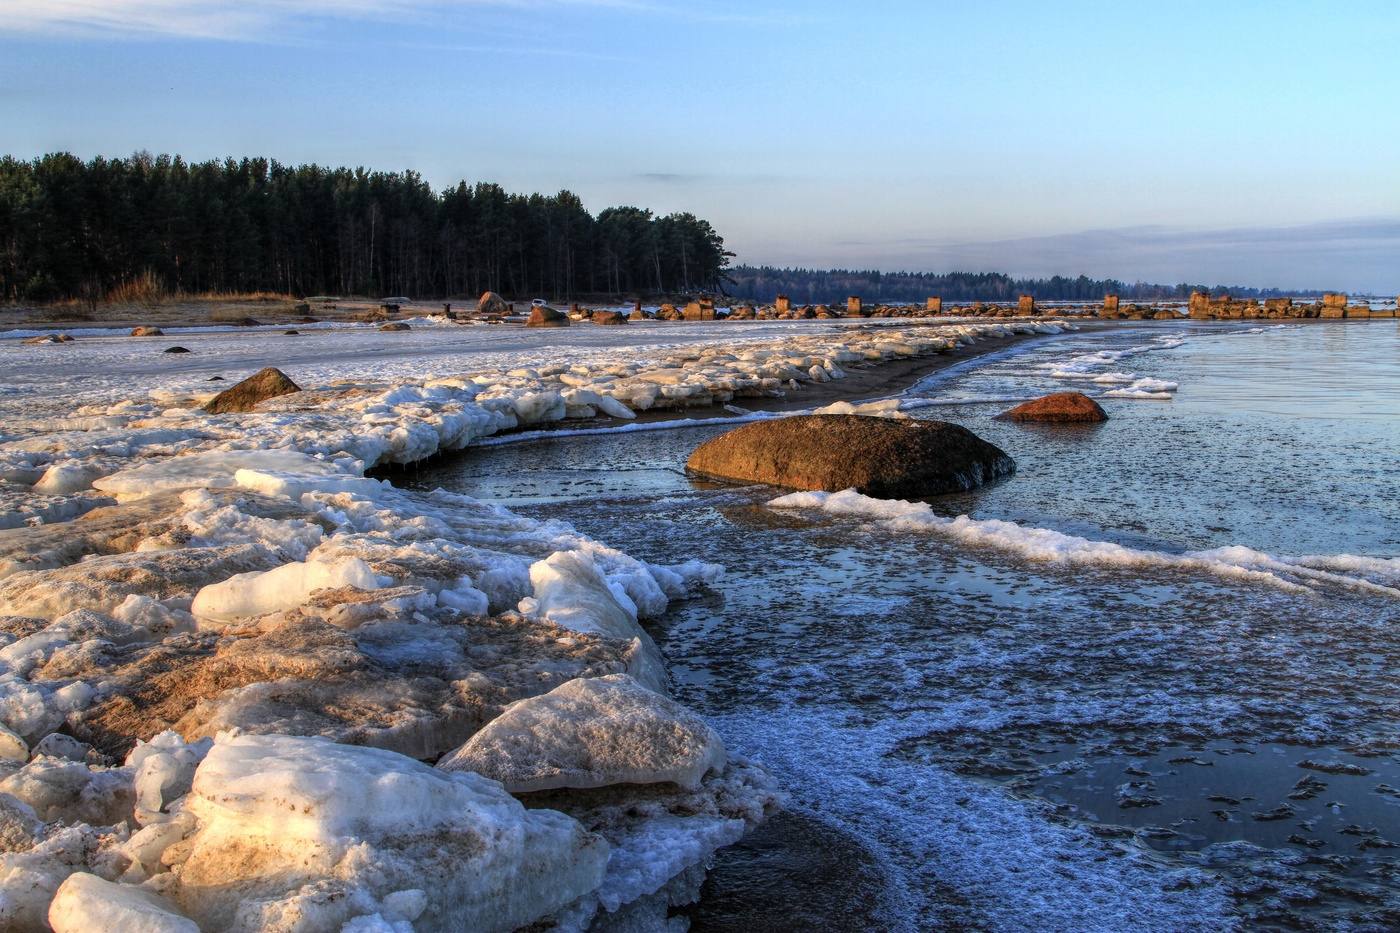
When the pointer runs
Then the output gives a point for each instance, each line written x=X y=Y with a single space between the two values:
x=990 y=735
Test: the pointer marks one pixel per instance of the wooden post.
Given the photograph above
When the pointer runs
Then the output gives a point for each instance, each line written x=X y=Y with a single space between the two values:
x=1110 y=302
x=853 y=305
x=1026 y=305
x=781 y=304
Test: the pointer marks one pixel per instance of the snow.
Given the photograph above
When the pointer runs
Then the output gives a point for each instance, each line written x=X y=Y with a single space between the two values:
x=86 y=902
x=286 y=587
x=592 y=732
x=569 y=591
x=278 y=813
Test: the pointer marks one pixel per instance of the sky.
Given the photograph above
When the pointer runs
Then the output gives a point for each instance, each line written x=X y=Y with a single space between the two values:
x=1221 y=142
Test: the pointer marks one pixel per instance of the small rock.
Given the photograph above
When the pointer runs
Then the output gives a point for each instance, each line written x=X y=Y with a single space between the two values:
x=245 y=396
x=394 y=326
x=147 y=332
x=50 y=338
x=1060 y=407
x=547 y=317
x=291 y=333
x=175 y=350
x=492 y=303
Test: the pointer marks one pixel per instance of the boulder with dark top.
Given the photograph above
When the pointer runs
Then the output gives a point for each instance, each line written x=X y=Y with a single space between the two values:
x=547 y=317
x=175 y=350
x=1061 y=407
x=609 y=317
x=245 y=396
x=144 y=331
x=492 y=303
x=880 y=457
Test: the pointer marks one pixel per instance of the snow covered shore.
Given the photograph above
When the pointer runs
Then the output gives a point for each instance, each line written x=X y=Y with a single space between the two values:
x=226 y=654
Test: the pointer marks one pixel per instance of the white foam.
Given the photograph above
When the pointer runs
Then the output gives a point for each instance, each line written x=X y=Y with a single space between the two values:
x=1299 y=574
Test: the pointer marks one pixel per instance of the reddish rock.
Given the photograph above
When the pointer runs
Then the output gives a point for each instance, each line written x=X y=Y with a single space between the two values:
x=547 y=317
x=609 y=317
x=1060 y=407
x=145 y=331
x=492 y=303
x=879 y=457
x=245 y=396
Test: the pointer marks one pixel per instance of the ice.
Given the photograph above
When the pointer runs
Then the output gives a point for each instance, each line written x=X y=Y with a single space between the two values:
x=59 y=789
x=12 y=746
x=216 y=469
x=280 y=813
x=569 y=591
x=85 y=903
x=103 y=583
x=592 y=733
x=62 y=479
x=29 y=879
x=286 y=587
x=164 y=770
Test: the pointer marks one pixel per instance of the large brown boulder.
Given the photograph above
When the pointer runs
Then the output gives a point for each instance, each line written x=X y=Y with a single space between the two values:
x=879 y=457
x=245 y=396
x=547 y=317
x=492 y=303
x=609 y=317
x=1060 y=407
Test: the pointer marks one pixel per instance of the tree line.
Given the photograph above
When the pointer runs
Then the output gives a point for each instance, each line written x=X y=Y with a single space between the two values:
x=811 y=286
x=71 y=229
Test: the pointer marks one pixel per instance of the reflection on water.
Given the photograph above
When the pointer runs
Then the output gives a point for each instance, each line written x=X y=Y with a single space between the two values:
x=974 y=740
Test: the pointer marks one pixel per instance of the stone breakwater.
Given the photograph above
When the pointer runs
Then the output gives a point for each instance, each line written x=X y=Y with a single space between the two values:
x=228 y=658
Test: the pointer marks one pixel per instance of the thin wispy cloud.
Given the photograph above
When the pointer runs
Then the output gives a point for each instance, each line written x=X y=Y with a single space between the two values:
x=256 y=19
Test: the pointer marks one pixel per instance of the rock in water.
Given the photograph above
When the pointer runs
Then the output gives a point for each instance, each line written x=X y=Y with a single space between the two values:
x=592 y=732
x=547 y=317
x=145 y=331
x=876 y=456
x=394 y=325
x=492 y=303
x=245 y=396
x=608 y=317
x=1060 y=407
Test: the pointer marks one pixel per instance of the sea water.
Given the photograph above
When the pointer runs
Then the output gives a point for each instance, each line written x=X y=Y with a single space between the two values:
x=1147 y=683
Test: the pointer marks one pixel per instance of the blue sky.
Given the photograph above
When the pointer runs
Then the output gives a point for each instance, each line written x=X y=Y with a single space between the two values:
x=1235 y=142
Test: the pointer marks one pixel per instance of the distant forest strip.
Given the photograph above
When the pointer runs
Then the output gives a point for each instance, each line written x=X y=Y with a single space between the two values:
x=74 y=230
x=761 y=283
